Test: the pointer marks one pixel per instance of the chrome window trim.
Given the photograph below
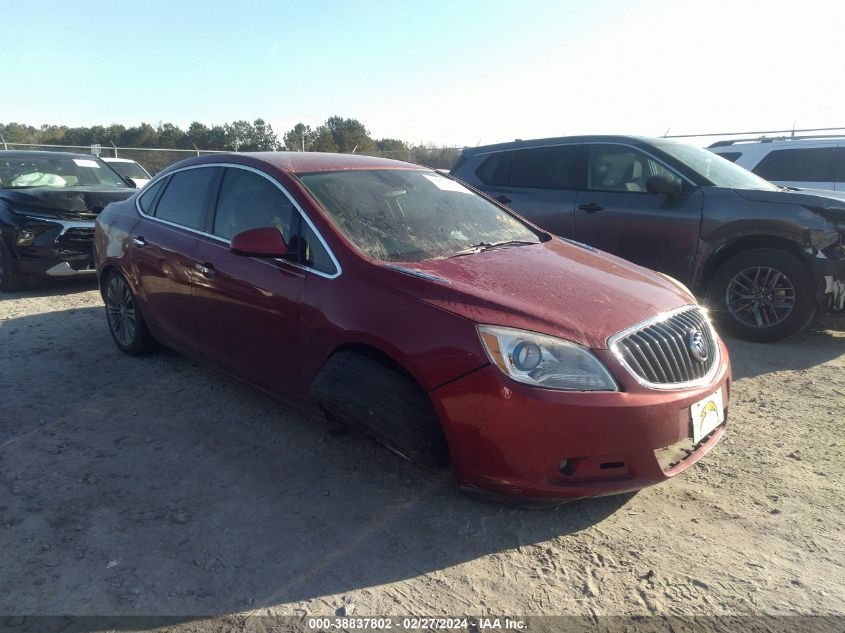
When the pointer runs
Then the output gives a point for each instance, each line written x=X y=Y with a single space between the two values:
x=584 y=143
x=303 y=215
x=663 y=316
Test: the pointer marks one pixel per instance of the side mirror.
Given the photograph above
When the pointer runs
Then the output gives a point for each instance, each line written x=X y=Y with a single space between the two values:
x=262 y=242
x=661 y=184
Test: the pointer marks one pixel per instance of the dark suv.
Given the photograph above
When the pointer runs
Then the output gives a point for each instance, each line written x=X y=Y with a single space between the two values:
x=48 y=204
x=765 y=257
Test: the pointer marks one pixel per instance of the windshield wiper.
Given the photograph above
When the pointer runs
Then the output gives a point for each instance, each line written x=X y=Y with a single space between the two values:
x=486 y=246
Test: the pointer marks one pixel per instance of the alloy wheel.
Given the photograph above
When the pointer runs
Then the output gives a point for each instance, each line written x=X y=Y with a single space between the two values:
x=120 y=309
x=760 y=296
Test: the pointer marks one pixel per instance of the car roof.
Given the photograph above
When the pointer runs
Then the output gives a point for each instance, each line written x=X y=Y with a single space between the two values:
x=539 y=142
x=307 y=162
x=12 y=153
x=109 y=159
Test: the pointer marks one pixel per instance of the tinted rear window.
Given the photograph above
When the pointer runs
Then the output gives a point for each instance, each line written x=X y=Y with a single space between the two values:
x=184 y=200
x=807 y=164
x=148 y=197
x=532 y=168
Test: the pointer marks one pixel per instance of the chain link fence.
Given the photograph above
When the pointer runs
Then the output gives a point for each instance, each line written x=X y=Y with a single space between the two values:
x=154 y=160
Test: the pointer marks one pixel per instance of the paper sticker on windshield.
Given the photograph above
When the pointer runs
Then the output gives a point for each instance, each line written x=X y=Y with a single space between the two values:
x=446 y=184
x=85 y=162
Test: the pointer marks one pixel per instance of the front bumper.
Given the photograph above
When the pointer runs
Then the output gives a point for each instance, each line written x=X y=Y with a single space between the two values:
x=511 y=439
x=62 y=248
x=829 y=273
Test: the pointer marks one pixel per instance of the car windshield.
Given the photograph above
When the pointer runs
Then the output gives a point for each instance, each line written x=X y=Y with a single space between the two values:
x=129 y=170
x=720 y=171
x=56 y=171
x=411 y=215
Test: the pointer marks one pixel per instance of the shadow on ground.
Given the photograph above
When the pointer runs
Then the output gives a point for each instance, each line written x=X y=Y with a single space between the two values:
x=158 y=486
x=821 y=342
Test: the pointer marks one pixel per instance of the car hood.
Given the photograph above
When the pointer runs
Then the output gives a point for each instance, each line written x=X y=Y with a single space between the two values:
x=829 y=204
x=556 y=288
x=73 y=203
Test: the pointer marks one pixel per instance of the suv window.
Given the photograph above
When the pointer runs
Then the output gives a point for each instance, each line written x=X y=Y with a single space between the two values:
x=250 y=201
x=621 y=168
x=807 y=164
x=184 y=200
x=532 y=168
x=496 y=170
x=545 y=167
x=731 y=156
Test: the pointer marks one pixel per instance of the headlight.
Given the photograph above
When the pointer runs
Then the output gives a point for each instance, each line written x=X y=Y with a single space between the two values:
x=545 y=361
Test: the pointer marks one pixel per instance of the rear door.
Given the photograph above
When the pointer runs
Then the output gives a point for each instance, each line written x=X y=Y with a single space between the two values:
x=162 y=249
x=616 y=213
x=248 y=307
x=539 y=183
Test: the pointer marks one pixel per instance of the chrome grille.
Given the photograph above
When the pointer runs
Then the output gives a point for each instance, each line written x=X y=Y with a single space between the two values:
x=660 y=352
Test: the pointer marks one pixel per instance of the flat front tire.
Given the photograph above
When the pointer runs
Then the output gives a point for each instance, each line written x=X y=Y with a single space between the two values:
x=378 y=400
x=763 y=295
x=126 y=323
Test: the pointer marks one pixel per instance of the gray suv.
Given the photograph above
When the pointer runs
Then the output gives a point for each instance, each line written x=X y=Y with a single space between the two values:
x=764 y=258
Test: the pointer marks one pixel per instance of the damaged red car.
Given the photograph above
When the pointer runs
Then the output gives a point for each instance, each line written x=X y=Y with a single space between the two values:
x=399 y=301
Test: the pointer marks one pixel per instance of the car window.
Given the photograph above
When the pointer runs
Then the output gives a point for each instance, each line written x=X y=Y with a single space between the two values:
x=314 y=254
x=249 y=201
x=147 y=198
x=58 y=170
x=622 y=168
x=411 y=215
x=812 y=164
x=545 y=167
x=129 y=170
x=184 y=200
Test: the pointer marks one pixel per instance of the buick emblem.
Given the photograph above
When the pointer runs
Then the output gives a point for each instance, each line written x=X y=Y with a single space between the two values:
x=697 y=345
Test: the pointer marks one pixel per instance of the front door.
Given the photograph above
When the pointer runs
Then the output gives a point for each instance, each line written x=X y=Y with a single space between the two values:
x=248 y=307
x=616 y=213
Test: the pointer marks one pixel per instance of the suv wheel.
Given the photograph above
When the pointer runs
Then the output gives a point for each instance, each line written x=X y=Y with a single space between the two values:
x=10 y=278
x=763 y=295
x=126 y=323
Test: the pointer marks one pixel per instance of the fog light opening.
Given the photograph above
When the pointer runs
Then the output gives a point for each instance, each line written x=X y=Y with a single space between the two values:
x=25 y=238
x=567 y=466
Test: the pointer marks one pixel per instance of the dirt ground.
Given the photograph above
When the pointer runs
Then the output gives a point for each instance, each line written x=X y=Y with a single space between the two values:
x=158 y=486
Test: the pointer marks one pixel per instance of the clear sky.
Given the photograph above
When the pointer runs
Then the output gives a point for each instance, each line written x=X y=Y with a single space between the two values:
x=451 y=73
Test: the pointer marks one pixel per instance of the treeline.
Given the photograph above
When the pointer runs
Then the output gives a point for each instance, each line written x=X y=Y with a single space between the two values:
x=240 y=136
x=336 y=134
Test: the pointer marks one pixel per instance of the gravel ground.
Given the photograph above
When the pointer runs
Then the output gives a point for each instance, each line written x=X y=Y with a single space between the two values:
x=158 y=486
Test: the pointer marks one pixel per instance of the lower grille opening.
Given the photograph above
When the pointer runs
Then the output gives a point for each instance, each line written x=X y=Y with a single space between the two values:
x=611 y=465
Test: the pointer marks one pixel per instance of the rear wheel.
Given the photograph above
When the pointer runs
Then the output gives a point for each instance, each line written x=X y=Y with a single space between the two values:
x=10 y=278
x=763 y=295
x=359 y=391
x=126 y=323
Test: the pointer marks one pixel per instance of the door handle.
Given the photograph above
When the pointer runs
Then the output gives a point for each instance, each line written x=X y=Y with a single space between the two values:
x=503 y=199
x=206 y=269
x=590 y=207
x=139 y=241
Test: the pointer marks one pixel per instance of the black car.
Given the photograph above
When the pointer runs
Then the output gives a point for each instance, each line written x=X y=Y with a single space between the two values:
x=48 y=203
x=765 y=258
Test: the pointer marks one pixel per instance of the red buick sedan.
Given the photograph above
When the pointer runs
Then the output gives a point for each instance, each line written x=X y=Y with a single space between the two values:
x=401 y=302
